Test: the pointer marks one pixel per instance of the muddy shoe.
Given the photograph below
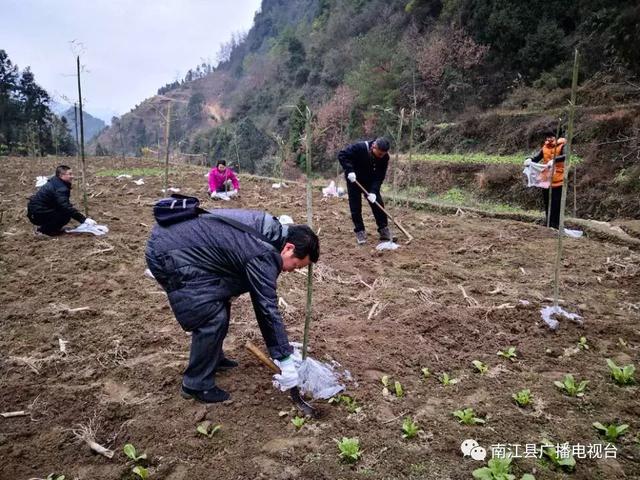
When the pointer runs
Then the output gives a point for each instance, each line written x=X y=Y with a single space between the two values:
x=361 y=237
x=214 y=395
x=385 y=235
x=226 y=364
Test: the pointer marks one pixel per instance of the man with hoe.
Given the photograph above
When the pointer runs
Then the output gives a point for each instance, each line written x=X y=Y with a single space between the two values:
x=203 y=262
x=366 y=163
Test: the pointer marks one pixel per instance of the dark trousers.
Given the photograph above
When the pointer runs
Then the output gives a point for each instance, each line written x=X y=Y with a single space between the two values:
x=355 y=206
x=206 y=350
x=552 y=218
x=49 y=224
x=225 y=187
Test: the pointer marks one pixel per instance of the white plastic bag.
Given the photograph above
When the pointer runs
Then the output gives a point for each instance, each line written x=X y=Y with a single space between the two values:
x=140 y=181
x=549 y=312
x=285 y=220
x=96 y=230
x=537 y=175
x=41 y=180
x=387 y=246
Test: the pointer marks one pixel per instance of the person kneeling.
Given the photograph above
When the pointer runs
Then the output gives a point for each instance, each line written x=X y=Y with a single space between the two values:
x=223 y=182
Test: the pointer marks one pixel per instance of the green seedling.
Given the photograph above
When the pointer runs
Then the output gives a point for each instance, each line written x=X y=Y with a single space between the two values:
x=208 y=429
x=425 y=372
x=510 y=354
x=566 y=462
x=480 y=367
x=611 y=432
x=622 y=375
x=349 y=403
x=142 y=472
x=349 y=449
x=53 y=476
x=130 y=451
x=446 y=380
x=523 y=397
x=410 y=429
x=298 y=422
x=570 y=387
x=397 y=386
x=498 y=469
x=582 y=343
x=468 y=417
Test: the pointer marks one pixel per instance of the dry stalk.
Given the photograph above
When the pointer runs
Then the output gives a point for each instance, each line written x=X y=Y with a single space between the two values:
x=473 y=303
x=86 y=433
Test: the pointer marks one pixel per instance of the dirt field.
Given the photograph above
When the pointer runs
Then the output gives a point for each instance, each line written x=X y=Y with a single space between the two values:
x=377 y=314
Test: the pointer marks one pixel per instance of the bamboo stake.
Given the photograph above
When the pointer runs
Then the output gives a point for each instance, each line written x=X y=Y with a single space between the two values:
x=166 y=148
x=551 y=172
x=563 y=198
x=396 y=160
x=307 y=319
x=84 y=165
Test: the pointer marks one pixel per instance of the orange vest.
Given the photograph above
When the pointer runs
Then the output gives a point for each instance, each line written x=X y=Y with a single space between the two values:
x=548 y=154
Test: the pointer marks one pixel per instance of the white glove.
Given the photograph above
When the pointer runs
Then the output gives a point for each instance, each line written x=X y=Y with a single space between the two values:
x=214 y=194
x=89 y=221
x=352 y=177
x=371 y=197
x=528 y=162
x=288 y=376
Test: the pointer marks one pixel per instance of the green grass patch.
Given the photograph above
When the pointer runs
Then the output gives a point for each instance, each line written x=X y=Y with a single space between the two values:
x=134 y=172
x=478 y=158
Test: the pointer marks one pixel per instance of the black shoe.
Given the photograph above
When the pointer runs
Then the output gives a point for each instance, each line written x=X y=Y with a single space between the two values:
x=214 y=395
x=226 y=364
x=386 y=236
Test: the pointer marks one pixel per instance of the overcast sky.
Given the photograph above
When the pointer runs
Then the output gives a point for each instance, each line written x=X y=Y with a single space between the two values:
x=130 y=48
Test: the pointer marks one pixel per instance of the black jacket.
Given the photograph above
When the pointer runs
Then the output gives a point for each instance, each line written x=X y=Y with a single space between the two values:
x=53 y=198
x=202 y=261
x=370 y=171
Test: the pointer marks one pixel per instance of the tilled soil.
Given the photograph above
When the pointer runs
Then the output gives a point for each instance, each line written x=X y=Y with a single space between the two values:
x=465 y=288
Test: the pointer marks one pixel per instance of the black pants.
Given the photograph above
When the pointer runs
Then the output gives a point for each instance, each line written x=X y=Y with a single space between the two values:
x=556 y=194
x=355 y=206
x=49 y=224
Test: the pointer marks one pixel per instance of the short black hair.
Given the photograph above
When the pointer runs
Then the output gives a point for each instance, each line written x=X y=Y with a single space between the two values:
x=305 y=241
x=221 y=162
x=382 y=144
x=549 y=133
x=62 y=169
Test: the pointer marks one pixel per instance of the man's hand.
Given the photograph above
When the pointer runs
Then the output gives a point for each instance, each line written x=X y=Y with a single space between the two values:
x=352 y=177
x=528 y=162
x=288 y=378
x=371 y=197
x=89 y=221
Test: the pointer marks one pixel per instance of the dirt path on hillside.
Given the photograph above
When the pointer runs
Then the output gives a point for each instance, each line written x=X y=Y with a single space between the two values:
x=464 y=289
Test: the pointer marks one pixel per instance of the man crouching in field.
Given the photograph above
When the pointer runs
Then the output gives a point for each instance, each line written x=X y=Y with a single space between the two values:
x=204 y=261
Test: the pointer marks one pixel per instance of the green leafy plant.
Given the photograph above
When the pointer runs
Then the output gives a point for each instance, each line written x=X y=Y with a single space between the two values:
x=566 y=462
x=426 y=373
x=409 y=428
x=54 y=476
x=570 y=387
x=348 y=402
x=208 y=429
x=498 y=469
x=582 y=343
x=468 y=417
x=611 y=432
x=622 y=375
x=130 y=451
x=446 y=380
x=523 y=397
x=142 y=472
x=349 y=449
x=298 y=422
x=480 y=367
x=510 y=353
x=385 y=385
x=397 y=387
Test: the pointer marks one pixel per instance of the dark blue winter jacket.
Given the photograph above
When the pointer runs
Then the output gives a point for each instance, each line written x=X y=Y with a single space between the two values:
x=370 y=171
x=202 y=261
x=53 y=199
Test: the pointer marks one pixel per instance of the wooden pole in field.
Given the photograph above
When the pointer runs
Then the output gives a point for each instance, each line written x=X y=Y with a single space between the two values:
x=396 y=160
x=167 y=132
x=308 y=310
x=75 y=119
x=84 y=164
x=567 y=164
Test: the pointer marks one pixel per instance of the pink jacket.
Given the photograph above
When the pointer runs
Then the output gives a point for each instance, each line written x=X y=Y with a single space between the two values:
x=217 y=179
